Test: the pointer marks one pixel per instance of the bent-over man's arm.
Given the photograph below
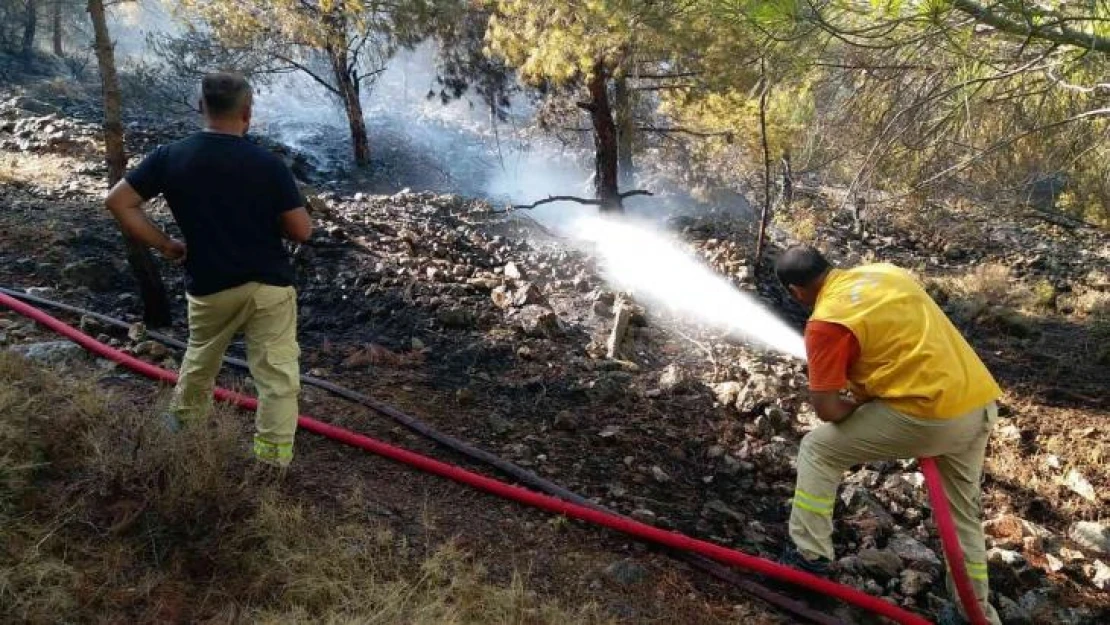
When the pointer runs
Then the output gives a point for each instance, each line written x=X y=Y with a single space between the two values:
x=830 y=349
x=830 y=406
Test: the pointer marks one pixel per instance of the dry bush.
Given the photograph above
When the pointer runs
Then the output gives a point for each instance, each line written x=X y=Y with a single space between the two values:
x=108 y=517
x=803 y=220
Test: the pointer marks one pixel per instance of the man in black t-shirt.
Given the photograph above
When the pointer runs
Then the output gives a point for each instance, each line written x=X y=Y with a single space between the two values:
x=234 y=202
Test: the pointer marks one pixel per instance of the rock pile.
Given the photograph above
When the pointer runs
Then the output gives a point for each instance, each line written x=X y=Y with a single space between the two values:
x=27 y=125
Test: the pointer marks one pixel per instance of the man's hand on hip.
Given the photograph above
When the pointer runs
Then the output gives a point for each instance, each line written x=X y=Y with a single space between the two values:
x=173 y=250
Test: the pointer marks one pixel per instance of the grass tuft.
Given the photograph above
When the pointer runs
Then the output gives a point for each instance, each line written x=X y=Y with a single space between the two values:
x=108 y=517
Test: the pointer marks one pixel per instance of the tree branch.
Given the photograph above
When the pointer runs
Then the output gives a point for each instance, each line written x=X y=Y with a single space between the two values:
x=865 y=67
x=371 y=74
x=1102 y=112
x=685 y=85
x=581 y=200
x=311 y=74
x=675 y=130
x=684 y=131
x=663 y=76
x=1061 y=34
x=559 y=198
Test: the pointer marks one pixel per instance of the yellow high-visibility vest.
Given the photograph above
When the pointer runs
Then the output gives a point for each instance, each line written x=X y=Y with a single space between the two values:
x=911 y=356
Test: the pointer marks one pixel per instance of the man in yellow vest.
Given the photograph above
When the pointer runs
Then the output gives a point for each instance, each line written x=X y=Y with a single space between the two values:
x=917 y=389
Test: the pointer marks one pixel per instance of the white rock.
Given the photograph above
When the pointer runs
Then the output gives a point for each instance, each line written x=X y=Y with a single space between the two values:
x=672 y=379
x=727 y=392
x=660 y=475
x=1009 y=432
x=1032 y=529
x=1091 y=536
x=1100 y=577
x=137 y=331
x=912 y=550
x=1079 y=485
x=915 y=582
x=50 y=352
x=1071 y=555
x=915 y=479
x=758 y=389
x=513 y=272
x=501 y=297
x=1005 y=556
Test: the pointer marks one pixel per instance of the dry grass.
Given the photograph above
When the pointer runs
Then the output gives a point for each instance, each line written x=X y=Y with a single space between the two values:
x=107 y=517
x=988 y=284
x=988 y=295
x=43 y=169
x=1091 y=304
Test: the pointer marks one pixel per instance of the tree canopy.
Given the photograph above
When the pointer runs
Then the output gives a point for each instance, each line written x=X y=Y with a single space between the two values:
x=887 y=99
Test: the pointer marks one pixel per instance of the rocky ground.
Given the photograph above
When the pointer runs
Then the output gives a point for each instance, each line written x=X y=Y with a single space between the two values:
x=493 y=329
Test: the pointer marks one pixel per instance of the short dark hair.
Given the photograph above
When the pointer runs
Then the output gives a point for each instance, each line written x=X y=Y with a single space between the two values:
x=224 y=93
x=800 y=266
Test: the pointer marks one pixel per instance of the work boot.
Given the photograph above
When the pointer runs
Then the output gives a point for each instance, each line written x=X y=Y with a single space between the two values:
x=820 y=567
x=793 y=558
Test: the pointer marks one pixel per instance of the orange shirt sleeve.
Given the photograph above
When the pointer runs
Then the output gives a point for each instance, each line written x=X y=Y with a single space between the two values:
x=831 y=349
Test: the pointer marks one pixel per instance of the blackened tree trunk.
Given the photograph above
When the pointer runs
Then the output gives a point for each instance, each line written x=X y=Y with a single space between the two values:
x=347 y=87
x=626 y=128
x=156 y=305
x=30 y=22
x=605 y=141
x=765 y=215
x=57 y=22
x=786 y=181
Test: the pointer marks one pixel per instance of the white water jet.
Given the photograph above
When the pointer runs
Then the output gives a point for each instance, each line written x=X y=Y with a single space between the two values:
x=652 y=265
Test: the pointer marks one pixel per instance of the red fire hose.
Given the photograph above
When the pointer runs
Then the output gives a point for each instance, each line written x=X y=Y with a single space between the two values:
x=950 y=541
x=642 y=531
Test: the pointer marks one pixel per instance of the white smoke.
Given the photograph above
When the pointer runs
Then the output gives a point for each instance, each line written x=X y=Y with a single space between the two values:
x=477 y=155
x=504 y=161
x=131 y=22
x=639 y=258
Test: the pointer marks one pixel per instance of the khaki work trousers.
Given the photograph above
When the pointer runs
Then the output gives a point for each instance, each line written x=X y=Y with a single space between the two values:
x=875 y=431
x=267 y=315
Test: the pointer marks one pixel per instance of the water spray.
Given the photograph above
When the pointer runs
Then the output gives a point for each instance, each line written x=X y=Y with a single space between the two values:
x=653 y=266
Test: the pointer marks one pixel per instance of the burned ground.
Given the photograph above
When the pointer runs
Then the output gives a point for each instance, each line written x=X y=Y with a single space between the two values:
x=410 y=298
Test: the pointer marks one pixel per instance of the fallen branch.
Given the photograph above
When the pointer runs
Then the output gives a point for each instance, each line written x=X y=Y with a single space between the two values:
x=581 y=200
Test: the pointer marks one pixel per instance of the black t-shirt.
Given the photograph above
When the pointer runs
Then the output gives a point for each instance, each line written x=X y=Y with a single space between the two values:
x=226 y=194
